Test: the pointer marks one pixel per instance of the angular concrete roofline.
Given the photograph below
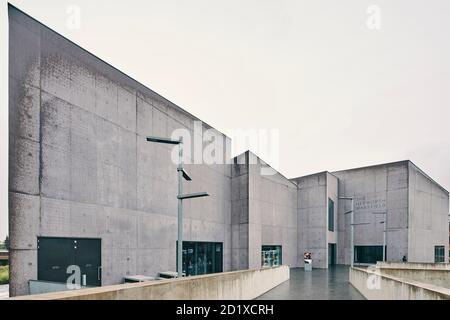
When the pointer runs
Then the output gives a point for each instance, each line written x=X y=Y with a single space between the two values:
x=259 y=158
x=12 y=7
x=293 y=180
x=374 y=166
x=426 y=175
x=396 y=162
x=312 y=174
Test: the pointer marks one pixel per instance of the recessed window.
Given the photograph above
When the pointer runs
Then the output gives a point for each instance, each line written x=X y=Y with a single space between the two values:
x=271 y=256
x=330 y=215
x=439 y=254
x=202 y=257
x=368 y=254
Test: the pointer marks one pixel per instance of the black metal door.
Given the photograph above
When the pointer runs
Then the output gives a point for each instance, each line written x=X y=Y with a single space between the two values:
x=88 y=258
x=55 y=255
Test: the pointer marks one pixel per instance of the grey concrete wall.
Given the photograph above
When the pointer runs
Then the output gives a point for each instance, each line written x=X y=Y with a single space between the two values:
x=80 y=165
x=272 y=213
x=312 y=206
x=428 y=216
x=240 y=212
x=382 y=188
x=377 y=286
x=332 y=193
x=237 y=285
x=264 y=212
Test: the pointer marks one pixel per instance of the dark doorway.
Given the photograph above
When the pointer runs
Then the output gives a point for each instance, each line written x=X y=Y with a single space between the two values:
x=56 y=254
x=331 y=254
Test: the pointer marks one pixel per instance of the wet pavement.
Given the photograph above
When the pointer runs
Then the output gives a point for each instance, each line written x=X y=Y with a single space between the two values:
x=319 y=284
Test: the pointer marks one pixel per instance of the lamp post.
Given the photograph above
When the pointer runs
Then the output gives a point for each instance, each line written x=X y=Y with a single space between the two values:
x=352 y=227
x=352 y=217
x=182 y=174
x=384 y=232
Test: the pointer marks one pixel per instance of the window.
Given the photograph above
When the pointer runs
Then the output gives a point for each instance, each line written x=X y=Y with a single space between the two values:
x=330 y=215
x=439 y=254
x=202 y=257
x=271 y=256
x=368 y=254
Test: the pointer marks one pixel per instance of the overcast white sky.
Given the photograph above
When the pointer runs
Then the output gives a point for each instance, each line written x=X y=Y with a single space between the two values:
x=341 y=94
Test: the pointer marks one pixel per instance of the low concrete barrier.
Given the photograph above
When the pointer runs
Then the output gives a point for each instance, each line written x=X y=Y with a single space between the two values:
x=413 y=266
x=374 y=285
x=437 y=274
x=40 y=287
x=236 y=285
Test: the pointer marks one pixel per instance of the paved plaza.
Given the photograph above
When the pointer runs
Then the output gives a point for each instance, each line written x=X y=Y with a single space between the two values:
x=319 y=284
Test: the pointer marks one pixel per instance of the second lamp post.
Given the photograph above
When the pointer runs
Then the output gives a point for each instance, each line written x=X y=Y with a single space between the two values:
x=182 y=174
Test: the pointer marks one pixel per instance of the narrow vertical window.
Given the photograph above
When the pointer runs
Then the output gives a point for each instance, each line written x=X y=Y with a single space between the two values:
x=330 y=215
x=439 y=254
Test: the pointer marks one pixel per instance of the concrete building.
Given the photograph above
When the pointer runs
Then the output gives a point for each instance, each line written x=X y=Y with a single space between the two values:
x=87 y=189
x=414 y=204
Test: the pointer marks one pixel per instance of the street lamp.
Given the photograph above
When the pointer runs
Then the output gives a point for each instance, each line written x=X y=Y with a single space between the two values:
x=352 y=227
x=182 y=174
x=352 y=253
x=384 y=232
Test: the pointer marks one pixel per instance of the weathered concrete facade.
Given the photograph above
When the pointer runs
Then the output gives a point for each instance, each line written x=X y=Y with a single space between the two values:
x=415 y=209
x=427 y=201
x=264 y=212
x=80 y=167
x=380 y=189
x=314 y=236
x=272 y=213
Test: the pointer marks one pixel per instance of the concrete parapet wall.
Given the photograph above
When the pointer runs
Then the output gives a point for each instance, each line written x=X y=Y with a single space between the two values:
x=374 y=285
x=237 y=285
x=437 y=274
x=413 y=265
